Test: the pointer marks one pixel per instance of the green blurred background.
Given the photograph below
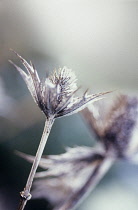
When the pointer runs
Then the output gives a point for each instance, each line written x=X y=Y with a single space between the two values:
x=99 y=41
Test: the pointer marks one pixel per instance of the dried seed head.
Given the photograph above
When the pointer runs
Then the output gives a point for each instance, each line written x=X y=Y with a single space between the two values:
x=55 y=97
x=118 y=130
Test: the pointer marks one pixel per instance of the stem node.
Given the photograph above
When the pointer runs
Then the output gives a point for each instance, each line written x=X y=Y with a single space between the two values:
x=25 y=195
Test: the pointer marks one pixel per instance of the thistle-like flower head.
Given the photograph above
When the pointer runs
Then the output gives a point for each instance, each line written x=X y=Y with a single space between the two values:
x=66 y=175
x=55 y=96
x=118 y=128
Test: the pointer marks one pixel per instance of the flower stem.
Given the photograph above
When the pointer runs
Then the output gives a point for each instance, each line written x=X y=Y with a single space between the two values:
x=25 y=194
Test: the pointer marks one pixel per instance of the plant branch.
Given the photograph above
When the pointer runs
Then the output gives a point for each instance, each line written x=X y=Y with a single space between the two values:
x=25 y=194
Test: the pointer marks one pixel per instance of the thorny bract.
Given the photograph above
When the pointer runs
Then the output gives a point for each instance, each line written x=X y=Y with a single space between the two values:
x=56 y=95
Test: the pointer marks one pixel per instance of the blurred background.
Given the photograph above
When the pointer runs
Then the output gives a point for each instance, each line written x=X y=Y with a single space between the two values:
x=99 y=41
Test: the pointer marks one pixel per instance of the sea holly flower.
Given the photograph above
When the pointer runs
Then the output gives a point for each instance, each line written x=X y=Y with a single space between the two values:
x=117 y=128
x=56 y=98
x=56 y=95
x=69 y=177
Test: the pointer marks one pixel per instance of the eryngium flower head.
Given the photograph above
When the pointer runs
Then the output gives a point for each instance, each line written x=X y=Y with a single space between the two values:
x=69 y=176
x=118 y=128
x=55 y=96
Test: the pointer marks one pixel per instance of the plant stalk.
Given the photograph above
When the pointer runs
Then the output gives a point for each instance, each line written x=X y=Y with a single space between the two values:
x=25 y=194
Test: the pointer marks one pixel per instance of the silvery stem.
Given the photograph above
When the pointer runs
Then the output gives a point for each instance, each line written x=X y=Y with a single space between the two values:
x=25 y=194
x=91 y=183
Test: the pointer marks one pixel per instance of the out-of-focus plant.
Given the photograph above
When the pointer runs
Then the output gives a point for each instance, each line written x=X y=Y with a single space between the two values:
x=117 y=126
x=69 y=177
x=56 y=98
